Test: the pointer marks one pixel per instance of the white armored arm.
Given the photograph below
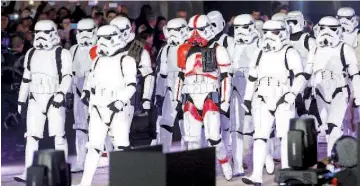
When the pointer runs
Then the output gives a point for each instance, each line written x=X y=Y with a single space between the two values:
x=295 y=65
x=66 y=71
x=25 y=86
x=224 y=64
x=129 y=71
x=253 y=75
x=353 y=70
x=149 y=79
x=161 y=83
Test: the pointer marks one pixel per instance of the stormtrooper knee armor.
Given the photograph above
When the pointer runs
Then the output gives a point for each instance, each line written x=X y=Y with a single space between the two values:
x=86 y=38
x=218 y=25
x=333 y=64
x=45 y=84
x=110 y=111
x=275 y=96
x=176 y=32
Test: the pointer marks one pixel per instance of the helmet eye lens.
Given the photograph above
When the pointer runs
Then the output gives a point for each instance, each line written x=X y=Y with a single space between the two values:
x=333 y=29
x=276 y=32
x=213 y=24
x=85 y=30
x=106 y=37
x=245 y=27
x=292 y=21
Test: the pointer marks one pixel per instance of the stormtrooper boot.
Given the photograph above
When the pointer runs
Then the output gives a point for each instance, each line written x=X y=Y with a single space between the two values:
x=237 y=151
x=91 y=162
x=269 y=161
x=258 y=163
x=32 y=145
x=223 y=160
x=80 y=142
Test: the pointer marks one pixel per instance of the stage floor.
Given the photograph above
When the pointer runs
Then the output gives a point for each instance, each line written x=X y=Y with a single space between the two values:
x=101 y=177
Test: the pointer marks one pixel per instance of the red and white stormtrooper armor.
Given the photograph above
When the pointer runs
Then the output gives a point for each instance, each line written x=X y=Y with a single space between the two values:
x=218 y=25
x=46 y=80
x=204 y=70
x=275 y=95
x=351 y=36
x=86 y=38
x=112 y=82
x=143 y=59
x=333 y=64
x=246 y=43
x=176 y=32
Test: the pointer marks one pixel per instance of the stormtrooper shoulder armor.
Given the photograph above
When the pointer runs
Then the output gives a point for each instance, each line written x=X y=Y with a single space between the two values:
x=182 y=55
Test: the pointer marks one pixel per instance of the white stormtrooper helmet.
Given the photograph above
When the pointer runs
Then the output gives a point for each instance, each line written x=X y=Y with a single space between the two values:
x=110 y=40
x=217 y=21
x=281 y=17
x=296 y=21
x=46 y=35
x=275 y=35
x=200 y=30
x=244 y=29
x=347 y=18
x=124 y=26
x=176 y=31
x=259 y=26
x=329 y=32
x=86 y=32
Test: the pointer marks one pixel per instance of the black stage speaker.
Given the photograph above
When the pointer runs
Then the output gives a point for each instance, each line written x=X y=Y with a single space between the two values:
x=296 y=149
x=309 y=155
x=58 y=171
x=37 y=174
x=149 y=166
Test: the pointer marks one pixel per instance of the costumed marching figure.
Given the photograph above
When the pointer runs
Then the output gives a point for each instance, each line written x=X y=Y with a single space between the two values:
x=351 y=36
x=86 y=38
x=241 y=130
x=46 y=80
x=135 y=49
x=204 y=70
x=176 y=32
x=112 y=82
x=275 y=96
x=333 y=65
x=218 y=25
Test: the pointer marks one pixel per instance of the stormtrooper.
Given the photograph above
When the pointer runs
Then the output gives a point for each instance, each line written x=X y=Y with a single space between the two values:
x=46 y=80
x=246 y=42
x=333 y=65
x=176 y=32
x=274 y=98
x=351 y=36
x=259 y=25
x=303 y=43
x=218 y=25
x=110 y=100
x=136 y=50
x=203 y=70
x=86 y=38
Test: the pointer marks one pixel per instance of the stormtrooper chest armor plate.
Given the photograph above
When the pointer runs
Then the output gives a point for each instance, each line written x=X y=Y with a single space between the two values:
x=351 y=38
x=328 y=71
x=82 y=61
x=200 y=78
x=44 y=72
x=108 y=80
x=272 y=74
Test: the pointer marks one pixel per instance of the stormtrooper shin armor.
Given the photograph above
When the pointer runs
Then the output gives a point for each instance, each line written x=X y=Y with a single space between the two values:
x=176 y=32
x=246 y=42
x=86 y=38
x=45 y=84
x=333 y=64
x=218 y=24
x=275 y=96
x=112 y=81
x=197 y=86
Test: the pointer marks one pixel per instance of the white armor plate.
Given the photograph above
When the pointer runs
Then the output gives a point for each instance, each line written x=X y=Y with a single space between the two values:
x=200 y=88
x=43 y=83
x=327 y=81
x=271 y=87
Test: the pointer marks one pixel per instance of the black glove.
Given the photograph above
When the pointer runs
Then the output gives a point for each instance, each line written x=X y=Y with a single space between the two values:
x=69 y=101
x=116 y=106
x=85 y=97
x=59 y=100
